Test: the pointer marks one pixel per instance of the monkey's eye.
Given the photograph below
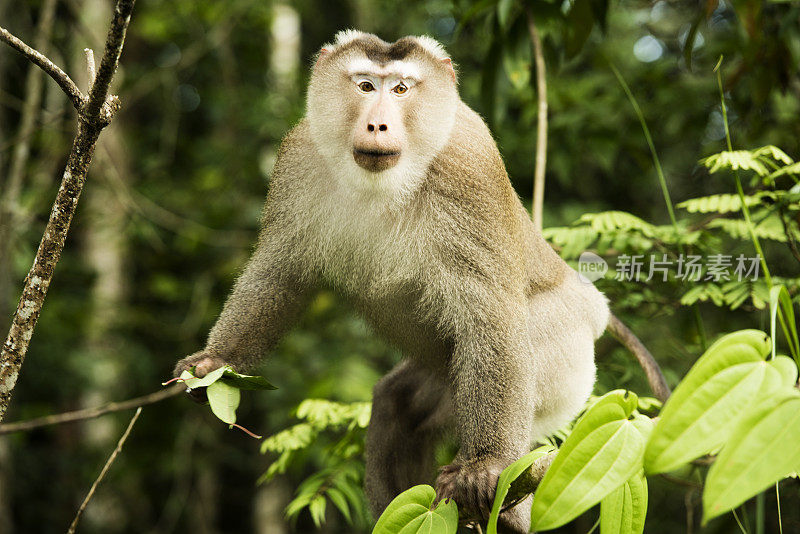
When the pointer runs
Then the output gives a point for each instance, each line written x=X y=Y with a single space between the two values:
x=366 y=86
x=400 y=89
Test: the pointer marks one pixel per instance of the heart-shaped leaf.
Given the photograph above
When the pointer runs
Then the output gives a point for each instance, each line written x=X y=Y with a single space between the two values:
x=603 y=451
x=762 y=450
x=413 y=512
x=701 y=417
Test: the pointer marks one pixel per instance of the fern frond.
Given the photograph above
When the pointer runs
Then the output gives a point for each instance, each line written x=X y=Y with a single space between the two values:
x=774 y=152
x=735 y=160
x=617 y=220
x=769 y=228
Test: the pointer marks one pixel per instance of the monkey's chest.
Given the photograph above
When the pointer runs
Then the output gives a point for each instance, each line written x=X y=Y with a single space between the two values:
x=359 y=249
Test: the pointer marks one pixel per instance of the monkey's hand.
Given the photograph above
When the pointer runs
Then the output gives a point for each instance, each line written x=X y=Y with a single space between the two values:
x=204 y=362
x=472 y=485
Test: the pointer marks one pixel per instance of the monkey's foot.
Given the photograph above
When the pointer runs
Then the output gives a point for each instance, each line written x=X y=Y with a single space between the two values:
x=472 y=486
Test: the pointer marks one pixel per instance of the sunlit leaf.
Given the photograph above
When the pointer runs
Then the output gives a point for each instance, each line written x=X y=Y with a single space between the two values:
x=779 y=298
x=509 y=475
x=624 y=510
x=762 y=450
x=698 y=418
x=413 y=512
x=605 y=449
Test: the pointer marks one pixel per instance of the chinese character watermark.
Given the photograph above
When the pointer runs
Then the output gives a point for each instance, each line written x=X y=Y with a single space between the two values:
x=684 y=268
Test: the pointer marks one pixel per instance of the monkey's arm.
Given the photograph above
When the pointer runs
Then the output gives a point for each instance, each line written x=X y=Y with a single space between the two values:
x=263 y=305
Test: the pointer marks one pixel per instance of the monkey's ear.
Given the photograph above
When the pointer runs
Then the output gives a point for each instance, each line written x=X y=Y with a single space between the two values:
x=448 y=63
x=323 y=52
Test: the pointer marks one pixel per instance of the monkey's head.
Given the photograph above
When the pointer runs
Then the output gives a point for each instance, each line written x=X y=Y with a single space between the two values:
x=380 y=112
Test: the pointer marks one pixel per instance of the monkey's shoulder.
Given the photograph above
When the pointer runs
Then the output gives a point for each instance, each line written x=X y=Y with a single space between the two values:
x=469 y=167
x=297 y=151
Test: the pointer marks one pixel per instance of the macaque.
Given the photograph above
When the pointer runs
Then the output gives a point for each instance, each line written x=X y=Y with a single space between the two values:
x=392 y=192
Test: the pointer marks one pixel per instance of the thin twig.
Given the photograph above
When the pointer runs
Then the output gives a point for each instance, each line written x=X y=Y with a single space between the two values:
x=52 y=70
x=108 y=65
x=91 y=413
x=541 y=123
x=90 y=69
x=629 y=340
x=106 y=467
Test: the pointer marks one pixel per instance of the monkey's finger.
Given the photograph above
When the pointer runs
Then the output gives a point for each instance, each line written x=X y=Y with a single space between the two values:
x=198 y=395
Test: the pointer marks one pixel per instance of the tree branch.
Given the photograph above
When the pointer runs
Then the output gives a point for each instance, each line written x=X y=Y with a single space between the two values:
x=102 y=474
x=629 y=340
x=541 y=123
x=43 y=62
x=91 y=121
x=92 y=413
x=108 y=65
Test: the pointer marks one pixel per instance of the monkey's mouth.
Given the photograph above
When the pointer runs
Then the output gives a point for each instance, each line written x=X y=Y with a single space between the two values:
x=376 y=160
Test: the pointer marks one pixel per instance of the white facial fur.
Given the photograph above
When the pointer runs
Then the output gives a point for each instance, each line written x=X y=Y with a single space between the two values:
x=335 y=105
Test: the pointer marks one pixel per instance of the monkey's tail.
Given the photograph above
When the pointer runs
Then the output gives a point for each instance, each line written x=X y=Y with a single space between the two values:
x=629 y=340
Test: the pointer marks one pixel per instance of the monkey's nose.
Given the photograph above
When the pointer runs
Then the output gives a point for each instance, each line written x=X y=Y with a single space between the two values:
x=381 y=127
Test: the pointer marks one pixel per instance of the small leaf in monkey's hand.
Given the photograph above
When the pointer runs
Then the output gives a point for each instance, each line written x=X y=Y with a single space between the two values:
x=210 y=378
x=413 y=512
x=245 y=381
x=224 y=400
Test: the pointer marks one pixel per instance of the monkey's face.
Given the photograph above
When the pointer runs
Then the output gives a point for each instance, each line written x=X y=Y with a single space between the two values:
x=381 y=112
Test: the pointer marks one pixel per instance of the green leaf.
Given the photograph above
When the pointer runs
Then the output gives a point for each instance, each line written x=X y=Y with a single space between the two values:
x=699 y=416
x=578 y=26
x=248 y=382
x=340 y=501
x=761 y=451
x=737 y=347
x=624 y=510
x=617 y=220
x=509 y=475
x=317 y=509
x=412 y=512
x=779 y=297
x=786 y=369
x=604 y=450
x=770 y=227
x=504 y=12
x=210 y=378
x=735 y=160
x=224 y=400
x=718 y=203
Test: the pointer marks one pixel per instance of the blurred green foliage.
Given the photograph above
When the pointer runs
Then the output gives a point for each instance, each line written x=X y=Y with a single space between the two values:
x=206 y=99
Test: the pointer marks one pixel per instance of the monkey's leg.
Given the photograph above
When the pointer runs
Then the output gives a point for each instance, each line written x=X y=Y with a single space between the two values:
x=410 y=409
